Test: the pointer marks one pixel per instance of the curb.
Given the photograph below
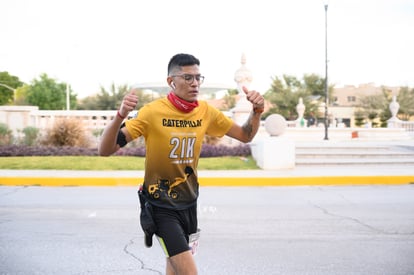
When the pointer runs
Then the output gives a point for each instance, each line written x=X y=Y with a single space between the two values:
x=212 y=181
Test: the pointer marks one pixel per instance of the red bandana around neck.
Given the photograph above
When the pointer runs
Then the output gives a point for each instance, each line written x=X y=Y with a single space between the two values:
x=181 y=104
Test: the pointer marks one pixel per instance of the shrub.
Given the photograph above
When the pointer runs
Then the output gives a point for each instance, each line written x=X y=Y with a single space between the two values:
x=209 y=150
x=139 y=151
x=359 y=118
x=67 y=132
x=211 y=140
x=6 y=136
x=24 y=150
x=30 y=135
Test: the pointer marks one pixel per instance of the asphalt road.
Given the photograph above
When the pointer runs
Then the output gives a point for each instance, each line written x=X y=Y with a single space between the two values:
x=245 y=230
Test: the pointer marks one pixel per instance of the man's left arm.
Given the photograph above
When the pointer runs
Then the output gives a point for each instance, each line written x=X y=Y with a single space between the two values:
x=249 y=129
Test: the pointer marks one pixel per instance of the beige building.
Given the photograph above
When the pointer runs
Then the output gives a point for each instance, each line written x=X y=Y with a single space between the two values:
x=341 y=112
x=348 y=95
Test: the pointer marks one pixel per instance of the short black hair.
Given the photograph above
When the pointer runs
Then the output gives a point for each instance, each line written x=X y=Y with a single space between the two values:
x=182 y=59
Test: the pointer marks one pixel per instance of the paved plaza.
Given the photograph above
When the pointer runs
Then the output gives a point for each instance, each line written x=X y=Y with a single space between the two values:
x=357 y=229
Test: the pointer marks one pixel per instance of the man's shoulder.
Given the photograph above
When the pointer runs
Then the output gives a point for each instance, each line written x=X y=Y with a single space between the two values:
x=205 y=104
x=157 y=102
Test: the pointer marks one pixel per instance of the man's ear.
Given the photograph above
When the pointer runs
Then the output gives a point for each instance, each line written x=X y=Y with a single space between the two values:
x=171 y=82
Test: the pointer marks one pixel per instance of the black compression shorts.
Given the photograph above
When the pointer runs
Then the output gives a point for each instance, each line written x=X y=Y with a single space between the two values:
x=174 y=228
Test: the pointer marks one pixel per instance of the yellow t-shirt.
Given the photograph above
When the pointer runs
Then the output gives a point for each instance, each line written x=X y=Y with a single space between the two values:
x=173 y=142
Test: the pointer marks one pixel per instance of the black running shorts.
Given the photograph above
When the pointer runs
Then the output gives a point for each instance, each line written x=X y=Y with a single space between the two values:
x=174 y=228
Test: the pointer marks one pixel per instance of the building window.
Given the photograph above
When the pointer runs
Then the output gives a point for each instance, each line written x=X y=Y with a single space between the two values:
x=351 y=99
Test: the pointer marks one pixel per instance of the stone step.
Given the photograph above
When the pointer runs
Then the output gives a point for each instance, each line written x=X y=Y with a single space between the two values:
x=352 y=154
x=329 y=154
x=346 y=148
x=355 y=157
x=356 y=161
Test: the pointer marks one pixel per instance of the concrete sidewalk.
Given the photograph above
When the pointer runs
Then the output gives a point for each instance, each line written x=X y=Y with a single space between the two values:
x=300 y=175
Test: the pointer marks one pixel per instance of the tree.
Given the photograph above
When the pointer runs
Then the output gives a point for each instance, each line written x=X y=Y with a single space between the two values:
x=111 y=100
x=376 y=107
x=88 y=103
x=373 y=107
x=406 y=100
x=284 y=95
x=359 y=118
x=21 y=95
x=8 y=85
x=230 y=99
x=315 y=85
x=48 y=94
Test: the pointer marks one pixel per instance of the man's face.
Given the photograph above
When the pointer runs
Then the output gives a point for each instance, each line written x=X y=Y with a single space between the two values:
x=187 y=82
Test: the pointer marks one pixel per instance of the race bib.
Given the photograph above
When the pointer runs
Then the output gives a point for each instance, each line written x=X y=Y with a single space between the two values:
x=194 y=241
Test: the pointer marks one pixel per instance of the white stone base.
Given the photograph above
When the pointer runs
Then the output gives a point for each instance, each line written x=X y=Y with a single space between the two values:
x=273 y=153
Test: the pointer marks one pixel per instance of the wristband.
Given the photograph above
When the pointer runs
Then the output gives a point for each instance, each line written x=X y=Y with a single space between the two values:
x=119 y=115
x=257 y=110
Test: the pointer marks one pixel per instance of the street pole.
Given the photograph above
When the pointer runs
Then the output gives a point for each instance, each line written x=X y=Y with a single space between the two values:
x=67 y=97
x=326 y=73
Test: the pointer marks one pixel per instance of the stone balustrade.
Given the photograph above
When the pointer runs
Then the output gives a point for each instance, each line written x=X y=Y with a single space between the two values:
x=20 y=117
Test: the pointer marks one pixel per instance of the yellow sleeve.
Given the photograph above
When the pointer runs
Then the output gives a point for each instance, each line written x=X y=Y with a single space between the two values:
x=136 y=126
x=220 y=123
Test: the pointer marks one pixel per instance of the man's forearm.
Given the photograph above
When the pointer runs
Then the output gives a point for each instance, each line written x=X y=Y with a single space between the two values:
x=107 y=145
x=251 y=126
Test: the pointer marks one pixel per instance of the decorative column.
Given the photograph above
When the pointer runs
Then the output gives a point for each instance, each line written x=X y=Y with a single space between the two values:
x=243 y=77
x=394 y=107
x=300 y=108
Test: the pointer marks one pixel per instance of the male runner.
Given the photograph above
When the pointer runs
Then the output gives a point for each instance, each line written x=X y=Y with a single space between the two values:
x=174 y=128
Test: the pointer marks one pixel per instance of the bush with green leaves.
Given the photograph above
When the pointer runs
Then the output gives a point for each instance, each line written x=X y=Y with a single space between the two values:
x=359 y=119
x=30 y=135
x=6 y=135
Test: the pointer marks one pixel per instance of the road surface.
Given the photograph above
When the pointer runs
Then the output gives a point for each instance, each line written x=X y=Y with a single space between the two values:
x=244 y=230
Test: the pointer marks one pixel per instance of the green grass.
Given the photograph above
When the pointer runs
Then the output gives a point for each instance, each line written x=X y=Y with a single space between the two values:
x=114 y=163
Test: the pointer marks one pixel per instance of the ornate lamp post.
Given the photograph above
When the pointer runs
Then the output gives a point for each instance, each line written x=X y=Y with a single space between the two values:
x=67 y=97
x=243 y=77
x=326 y=72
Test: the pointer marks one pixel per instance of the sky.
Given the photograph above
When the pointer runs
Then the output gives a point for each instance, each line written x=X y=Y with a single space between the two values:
x=94 y=43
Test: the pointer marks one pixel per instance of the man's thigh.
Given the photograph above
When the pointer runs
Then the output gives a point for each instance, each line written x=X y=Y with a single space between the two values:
x=170 y=232
x=183 y=263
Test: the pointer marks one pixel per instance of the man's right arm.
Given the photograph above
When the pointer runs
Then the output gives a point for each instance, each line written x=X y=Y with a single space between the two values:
x=112 y=134
x=108 y=143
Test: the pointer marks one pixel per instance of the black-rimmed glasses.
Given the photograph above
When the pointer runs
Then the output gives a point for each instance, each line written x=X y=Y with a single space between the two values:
x=189 y=78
